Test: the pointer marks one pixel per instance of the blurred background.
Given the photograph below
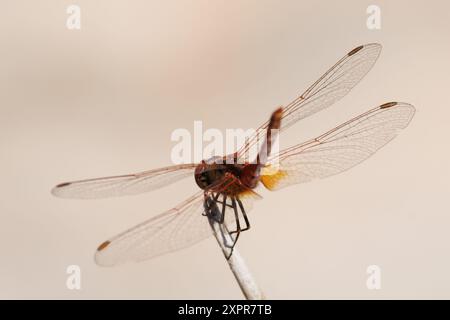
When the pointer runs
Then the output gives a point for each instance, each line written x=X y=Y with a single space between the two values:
x=104 y=100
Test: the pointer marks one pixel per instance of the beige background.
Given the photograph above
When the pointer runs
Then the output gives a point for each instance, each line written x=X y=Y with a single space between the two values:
x=104 y=100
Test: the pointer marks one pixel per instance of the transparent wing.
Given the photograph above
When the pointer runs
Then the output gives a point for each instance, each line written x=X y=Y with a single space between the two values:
x=124 y=184
x=331 y=87
x=340 y=148
x=172 y=230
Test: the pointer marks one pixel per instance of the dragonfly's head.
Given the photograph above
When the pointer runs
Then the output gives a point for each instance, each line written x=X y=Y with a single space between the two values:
x=202 y=177
x=208 y=172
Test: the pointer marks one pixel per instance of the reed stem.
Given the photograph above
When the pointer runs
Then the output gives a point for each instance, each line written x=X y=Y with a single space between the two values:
x=236 y=263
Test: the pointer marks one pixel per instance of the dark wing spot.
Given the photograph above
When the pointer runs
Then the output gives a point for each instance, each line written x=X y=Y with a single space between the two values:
x=64 y=184
x=103 y=245
x=388 y=105
x=355 y=50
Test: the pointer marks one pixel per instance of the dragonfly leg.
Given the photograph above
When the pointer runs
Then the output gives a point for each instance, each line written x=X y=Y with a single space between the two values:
x=241 y=206
x=224 y=206
x=210 y=202
x=236 y=215
x=206 y=205
x=238 y=226
x=211 y=208
x=244 y=214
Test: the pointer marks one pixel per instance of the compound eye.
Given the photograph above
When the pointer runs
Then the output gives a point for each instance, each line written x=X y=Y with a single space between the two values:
x=203 y=178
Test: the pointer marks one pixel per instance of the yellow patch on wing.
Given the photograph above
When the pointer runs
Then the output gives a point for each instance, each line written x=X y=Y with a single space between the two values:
x=249 y=194
x=271 y=176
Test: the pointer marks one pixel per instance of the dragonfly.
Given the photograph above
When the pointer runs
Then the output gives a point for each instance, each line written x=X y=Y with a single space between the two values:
x=227 y=189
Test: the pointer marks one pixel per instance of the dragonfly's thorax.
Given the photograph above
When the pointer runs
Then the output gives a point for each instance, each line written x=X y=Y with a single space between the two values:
x=211 y=173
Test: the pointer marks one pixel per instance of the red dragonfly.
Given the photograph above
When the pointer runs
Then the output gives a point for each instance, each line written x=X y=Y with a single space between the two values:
x=227 y=189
